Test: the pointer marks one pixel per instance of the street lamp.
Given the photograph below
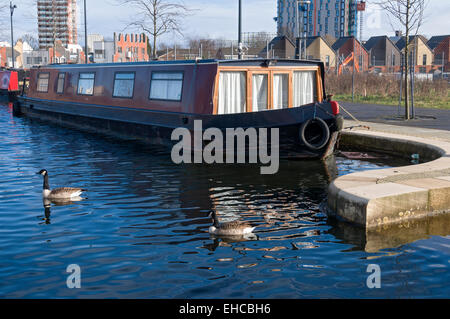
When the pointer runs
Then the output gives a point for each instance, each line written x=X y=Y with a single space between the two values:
x=12 y=7
x=85 y=36
x=240 y=46
x=298 y=26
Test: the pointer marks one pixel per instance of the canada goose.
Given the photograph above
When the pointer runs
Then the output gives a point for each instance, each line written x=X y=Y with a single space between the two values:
x=58 y=193
x=229 y=229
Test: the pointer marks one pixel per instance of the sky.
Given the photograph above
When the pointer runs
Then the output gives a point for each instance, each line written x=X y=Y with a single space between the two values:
x=213 y=19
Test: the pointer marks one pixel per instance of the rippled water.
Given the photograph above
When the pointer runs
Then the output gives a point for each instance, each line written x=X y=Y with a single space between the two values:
x=142 y=231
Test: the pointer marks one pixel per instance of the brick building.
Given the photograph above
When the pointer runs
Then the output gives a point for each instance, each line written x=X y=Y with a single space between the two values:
x=345 y=46
x=441 y=49
x=130 y=48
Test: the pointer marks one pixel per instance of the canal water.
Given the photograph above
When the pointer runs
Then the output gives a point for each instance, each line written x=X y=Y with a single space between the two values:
x=142 y=230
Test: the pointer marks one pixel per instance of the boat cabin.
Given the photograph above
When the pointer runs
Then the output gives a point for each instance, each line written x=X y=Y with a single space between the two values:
x=195 y=87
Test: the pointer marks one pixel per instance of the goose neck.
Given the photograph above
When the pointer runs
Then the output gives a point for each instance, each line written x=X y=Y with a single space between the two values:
x=46 y=184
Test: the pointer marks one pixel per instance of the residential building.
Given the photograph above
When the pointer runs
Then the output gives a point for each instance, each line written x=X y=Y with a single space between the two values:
x=383 y=52
x=441 y=50
x=423 y=55
x=346 y=46
x=318 y=48
x=279 y=48
x=99 y=49
x=35 y=58
x=21 y=47
x=130 y=47
x=338 y=18
x=57 y=20
x=6 y=55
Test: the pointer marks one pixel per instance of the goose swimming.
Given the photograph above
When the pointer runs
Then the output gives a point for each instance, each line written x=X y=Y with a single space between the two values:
x=58 y=193
x=230 y=228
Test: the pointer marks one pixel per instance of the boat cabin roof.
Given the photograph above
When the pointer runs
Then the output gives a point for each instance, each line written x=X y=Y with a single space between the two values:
x=252 y=62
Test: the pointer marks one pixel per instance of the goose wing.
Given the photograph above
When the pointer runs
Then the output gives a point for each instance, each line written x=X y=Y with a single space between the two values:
x=234 y=225
x=64 y=192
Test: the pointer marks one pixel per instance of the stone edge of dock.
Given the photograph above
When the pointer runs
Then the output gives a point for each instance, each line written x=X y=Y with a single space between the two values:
x=379 y=197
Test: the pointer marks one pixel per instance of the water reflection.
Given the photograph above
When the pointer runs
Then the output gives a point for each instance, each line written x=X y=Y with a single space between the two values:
x=391 y=236
x=143 y=231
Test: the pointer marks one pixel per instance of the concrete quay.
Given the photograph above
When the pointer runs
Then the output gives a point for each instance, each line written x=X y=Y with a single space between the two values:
x=389 y=196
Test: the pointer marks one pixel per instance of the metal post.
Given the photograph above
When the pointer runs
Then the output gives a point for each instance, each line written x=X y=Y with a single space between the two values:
x=401 y=83
x=240 y=31
x=297 y=24
x=12 y=7
x=85 y=35
x=413 y=71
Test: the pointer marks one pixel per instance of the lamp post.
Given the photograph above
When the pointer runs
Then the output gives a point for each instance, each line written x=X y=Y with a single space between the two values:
x=12 y=7
x=298 y=27
x=85 y=35
x=240 y=46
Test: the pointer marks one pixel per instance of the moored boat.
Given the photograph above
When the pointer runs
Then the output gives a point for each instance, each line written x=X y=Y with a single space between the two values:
x=9 y=85
x=148 y=100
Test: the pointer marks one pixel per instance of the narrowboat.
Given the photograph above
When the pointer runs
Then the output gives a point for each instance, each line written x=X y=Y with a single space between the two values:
x=148 y=100
x=9 y=85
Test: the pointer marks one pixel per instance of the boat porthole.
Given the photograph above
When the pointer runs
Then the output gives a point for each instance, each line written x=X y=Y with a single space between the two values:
x=315 y=134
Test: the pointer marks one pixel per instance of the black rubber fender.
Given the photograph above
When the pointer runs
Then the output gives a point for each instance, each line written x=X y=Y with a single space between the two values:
x=325 y=134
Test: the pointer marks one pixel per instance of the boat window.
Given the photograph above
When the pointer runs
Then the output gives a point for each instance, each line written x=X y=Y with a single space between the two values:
x=304 y=87
x=42 y=82
x=60 y=83
x=232 y=92
x=166 y=86
x=123 y=84
x=260 y=92
x=86 y=83
x=280 y=91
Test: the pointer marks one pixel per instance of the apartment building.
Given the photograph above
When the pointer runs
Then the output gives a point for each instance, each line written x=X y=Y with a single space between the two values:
x=57 y=20
x=338 y=18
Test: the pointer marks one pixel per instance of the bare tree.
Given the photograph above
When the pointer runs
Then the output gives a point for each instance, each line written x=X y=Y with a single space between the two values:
x=3 y=20
x=409 y=14
x=31 y=40
x=158 y=17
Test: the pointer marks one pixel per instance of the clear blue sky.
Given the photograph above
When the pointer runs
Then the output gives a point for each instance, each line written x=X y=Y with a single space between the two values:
x=218 y=18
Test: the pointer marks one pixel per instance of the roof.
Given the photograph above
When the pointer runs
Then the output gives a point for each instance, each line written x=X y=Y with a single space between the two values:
x=311 y=39
x=402 y=42
x=374 y=40
x=436 y=40
x=258 y=61
x=340 y=42
x=395 y=39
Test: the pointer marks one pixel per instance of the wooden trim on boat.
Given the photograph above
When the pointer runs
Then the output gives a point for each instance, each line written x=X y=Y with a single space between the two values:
x=270 y=71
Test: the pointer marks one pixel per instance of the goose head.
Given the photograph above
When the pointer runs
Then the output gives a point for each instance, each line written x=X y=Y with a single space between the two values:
x=42 y=172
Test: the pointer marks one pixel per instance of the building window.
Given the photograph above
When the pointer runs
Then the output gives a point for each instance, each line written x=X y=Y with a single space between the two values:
x=123 y=85
x=166 y=86
x=42 y=82
x=60 y=83
x=424 y=59
x=86 y=84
